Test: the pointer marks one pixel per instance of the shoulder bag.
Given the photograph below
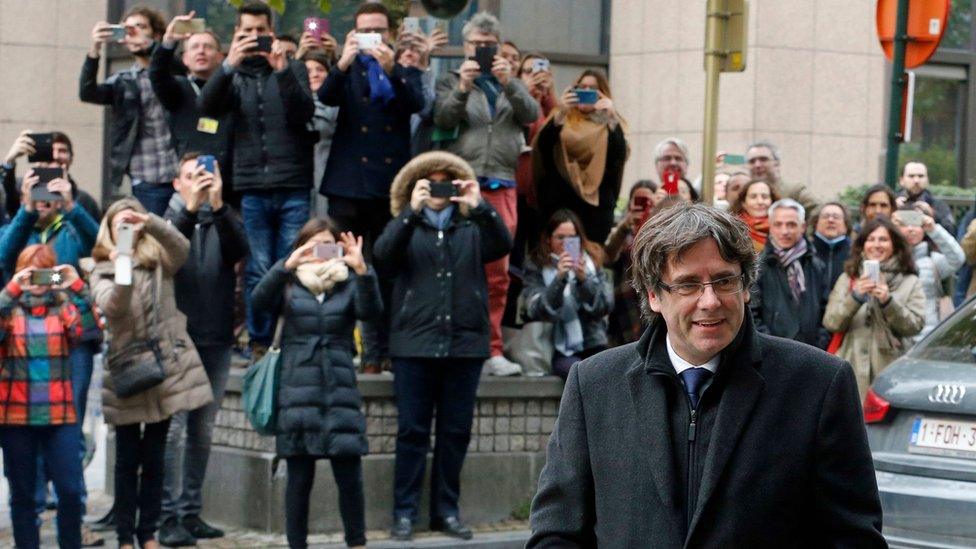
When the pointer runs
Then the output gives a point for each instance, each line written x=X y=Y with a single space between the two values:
x=138 y=366
x=259 y=397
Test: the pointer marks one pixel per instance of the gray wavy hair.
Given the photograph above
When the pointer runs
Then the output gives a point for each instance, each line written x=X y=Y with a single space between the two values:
x=677 y=142
x=484 y=22
x=675 y=230
x=788 y=203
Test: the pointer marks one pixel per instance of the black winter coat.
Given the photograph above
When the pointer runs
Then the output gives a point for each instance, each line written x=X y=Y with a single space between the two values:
x=318 y=404
x=371 y=141
x=271 y=143
x=555 y=192
x=774 y=310
x=440 y=298
x=205 y=284
x=833 y=258
x=178 y=96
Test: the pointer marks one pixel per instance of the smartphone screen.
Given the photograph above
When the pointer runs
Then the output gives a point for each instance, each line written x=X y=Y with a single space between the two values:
x=572 y=247
x=43 y=277
x=411 y=24
x=43 y=147
x=124 y=239
x=442 y=189
x=264 y=43
x=40 y=193
x=872 y=269
x=193 y=26
x=368 y=40
x=485 y=56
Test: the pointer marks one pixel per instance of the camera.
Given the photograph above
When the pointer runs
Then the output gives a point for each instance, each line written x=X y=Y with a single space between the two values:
x=45 y=277
x=443 y=189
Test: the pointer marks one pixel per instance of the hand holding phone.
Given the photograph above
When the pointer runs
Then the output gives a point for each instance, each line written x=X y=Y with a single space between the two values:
x=586 y=96
x=368 y=40
x=572 y=247
x=124 y=238
x=207 y=161
x=263 y=43
x=485 y=56
x=872 y=270
x=316 y=27
x=43 y=147
x=190 y=26
x=327 y=251
x=443 y=189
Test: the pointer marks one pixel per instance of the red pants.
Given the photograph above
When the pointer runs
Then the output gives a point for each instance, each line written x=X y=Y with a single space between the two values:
x=505 y=203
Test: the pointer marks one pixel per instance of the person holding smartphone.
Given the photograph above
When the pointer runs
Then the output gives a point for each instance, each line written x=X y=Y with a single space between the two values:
x=565 y=284
x=482 y=109
x=320 y=290
x=204 y=288
x=579 y=155
x=41 y=311
x=937 y=256
x=435 y=249
x=877 y=304
x=141 y=310
x=142 y=144
x=270 y=102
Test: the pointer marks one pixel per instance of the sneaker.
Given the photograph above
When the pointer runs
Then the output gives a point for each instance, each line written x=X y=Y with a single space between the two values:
x=501 y=366
x=199 y=529
x=173 y=534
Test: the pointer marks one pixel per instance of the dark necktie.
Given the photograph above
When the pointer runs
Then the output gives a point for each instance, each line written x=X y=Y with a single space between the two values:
x=695 y=379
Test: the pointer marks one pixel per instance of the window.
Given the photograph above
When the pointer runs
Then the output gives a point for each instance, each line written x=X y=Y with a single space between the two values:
x=938 y=122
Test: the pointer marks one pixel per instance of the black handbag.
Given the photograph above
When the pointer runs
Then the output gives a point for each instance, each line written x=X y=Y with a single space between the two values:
x=138 y=366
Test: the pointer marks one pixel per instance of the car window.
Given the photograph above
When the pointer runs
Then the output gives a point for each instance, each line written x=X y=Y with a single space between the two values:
x=953 y=341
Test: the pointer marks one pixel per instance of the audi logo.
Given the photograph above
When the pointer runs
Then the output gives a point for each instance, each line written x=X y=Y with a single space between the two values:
x=947 y=394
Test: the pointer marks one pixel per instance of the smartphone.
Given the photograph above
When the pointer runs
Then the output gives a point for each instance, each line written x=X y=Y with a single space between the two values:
x=316 y=27
x=118 y=32
x=572 y=246
x=443 y=189
x=47 y=175
x=123 y=270
x=735 y=159
x=207 y=161
x=912 y=218
x=485 y=56
x=328 y=251
x=411 y=25
x=368 y=40
x=872 y=269
x=45 y=277
x=193 y=26
x=40 y=193
x=642 y=202
x=671 y=178
x=263 y=43
x=540 y=65
x=43 y=147
x=124 y=239
x=585 y=96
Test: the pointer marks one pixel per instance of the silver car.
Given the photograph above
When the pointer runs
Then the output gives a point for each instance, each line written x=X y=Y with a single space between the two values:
x=921 y=422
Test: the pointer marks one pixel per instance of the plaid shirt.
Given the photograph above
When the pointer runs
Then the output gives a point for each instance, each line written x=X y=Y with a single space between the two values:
x=36 y=334
x=153 y=158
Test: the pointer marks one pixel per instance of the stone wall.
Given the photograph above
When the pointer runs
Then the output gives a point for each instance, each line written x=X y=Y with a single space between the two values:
x=513 y=420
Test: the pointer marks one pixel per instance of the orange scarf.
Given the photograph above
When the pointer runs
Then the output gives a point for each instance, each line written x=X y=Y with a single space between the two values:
x=758 y=229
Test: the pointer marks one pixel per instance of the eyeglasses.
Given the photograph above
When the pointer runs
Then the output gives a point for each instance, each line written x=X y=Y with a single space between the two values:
x=723 y=286
x=483 y=43
x=831 y=216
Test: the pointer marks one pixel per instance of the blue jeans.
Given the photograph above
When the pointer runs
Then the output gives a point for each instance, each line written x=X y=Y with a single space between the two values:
x=154 y=196
x=422 y=384
x=271 y=221
x=186 y=458
x=59 y=446
x=81 y=360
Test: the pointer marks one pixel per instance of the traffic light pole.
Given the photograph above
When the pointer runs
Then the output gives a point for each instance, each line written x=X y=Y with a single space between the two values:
x=712 y=60
x=897 y=87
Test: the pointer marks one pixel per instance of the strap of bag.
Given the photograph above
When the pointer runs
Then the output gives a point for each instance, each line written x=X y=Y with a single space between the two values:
x=279 y=327
x=156 y=288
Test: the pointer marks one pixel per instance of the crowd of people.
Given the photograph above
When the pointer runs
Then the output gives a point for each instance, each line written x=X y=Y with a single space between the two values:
x=449 y=222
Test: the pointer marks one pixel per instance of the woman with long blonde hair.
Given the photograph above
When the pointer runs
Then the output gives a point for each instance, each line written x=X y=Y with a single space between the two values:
x=579 y=155
x=138 y=309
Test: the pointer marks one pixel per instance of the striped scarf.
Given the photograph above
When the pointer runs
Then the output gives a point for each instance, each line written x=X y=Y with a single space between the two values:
x=790 y=260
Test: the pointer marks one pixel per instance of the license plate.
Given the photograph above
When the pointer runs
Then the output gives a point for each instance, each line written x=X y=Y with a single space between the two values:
x=943 y=436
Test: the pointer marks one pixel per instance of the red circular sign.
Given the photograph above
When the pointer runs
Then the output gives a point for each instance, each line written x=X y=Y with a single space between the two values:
x=926 y=24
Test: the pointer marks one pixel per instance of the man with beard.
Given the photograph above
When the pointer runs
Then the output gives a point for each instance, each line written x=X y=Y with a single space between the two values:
x=141 y=142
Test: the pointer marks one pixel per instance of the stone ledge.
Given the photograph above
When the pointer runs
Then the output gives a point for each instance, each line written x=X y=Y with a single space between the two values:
x=381 y=385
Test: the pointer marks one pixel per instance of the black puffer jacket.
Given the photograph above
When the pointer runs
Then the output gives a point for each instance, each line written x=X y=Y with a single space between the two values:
x=319 y=406
x=440 y=298
x=272 y=147
x=774 y=309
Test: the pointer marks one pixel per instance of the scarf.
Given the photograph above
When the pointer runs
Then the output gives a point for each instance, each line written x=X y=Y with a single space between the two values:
x=490 y=85
x=581 y=157
x=790 y=260
x=380 y=88
x=758 y=229
x=319 y=278
x=52 y=228
x=892 y=274
x=567 y=330
x=439 y=219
